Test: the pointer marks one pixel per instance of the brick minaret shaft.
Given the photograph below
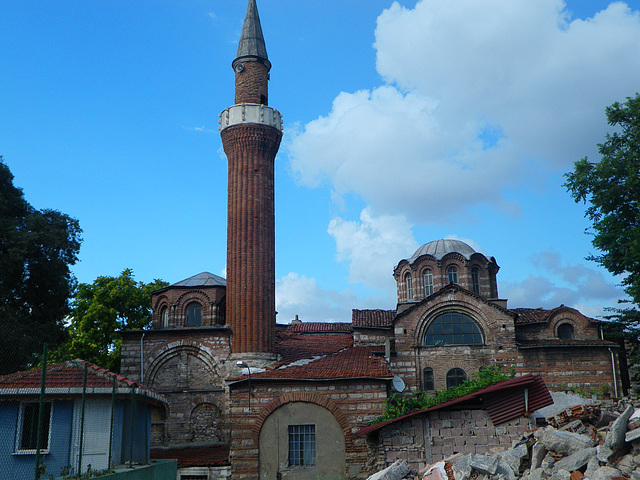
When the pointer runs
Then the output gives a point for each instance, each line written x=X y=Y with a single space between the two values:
x=251 y=133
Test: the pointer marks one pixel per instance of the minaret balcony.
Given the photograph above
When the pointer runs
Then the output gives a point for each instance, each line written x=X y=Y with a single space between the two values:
x=250 y=113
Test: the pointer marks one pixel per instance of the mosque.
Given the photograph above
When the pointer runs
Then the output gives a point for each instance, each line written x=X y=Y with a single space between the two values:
x=249 y=398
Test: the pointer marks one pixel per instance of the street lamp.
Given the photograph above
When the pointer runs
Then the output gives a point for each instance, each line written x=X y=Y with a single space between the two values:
x=242 y=364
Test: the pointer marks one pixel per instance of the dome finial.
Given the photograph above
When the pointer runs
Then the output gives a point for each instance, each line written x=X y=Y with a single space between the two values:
x=251 y=45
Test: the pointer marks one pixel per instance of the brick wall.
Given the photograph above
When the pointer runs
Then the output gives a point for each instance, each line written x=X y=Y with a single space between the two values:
x=353 y=403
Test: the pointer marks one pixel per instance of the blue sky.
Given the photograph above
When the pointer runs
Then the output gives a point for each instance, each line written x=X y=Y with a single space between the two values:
x=405 y=122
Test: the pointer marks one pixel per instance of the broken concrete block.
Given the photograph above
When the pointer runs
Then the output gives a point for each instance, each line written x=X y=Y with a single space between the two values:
x=576 y=460
x=632 y=435
x=461 y=467
x=560 y=475
x=603 y=453
x=627 y=464
x=592 y=466
x=617 y=430
x=436 y=472
x=605 y=419
x=514 y=457
x=537 y=455
x=605 y=473
x=575 y=426
x=547 y=463
x=565 y=443
x=537 y=474
x=484 y=464
x=396 y=471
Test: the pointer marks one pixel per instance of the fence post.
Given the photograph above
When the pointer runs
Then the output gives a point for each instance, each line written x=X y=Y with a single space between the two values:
x=133 y=408
x=113 y=403
x=40 y=408
x=84 y=394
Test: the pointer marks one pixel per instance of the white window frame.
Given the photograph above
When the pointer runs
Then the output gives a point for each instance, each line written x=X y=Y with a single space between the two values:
x=20 y=426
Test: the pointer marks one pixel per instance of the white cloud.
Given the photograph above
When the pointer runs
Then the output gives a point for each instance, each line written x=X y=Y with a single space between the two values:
x=477 y=92
x=576 y=286
x=372 y=247
x=302 y=296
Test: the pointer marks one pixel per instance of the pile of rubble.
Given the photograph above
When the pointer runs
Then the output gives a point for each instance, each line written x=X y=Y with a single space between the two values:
x=580 y=443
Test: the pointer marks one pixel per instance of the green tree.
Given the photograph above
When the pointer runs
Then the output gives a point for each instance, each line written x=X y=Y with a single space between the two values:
x=37 y=247
x=100 y=310
x=612 y=189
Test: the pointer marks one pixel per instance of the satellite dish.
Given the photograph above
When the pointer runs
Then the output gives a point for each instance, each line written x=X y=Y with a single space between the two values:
x=398 y=384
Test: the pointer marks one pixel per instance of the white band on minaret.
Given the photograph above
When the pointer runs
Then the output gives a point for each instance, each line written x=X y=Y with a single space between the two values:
x=250 y=113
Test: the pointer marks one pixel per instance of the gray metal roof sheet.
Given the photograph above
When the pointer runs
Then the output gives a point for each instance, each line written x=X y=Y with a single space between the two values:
x=251 y=39
x=439 y=248
x=204 y=279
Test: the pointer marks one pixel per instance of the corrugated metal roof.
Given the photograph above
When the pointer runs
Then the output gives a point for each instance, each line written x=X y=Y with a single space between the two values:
x=513 y=405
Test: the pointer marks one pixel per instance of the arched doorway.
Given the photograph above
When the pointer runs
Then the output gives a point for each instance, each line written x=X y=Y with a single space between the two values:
x=299 y=441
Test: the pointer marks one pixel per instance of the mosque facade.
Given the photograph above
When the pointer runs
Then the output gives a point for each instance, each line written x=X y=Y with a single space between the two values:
x=251 y=398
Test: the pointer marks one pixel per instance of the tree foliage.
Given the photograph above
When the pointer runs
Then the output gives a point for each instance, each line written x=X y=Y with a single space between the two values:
x=37 y=247
x=612 y=189
x=100 y=310
x=399 y=404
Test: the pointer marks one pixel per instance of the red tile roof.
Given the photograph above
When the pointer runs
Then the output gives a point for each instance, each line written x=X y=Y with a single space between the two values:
x=67 y=377
x=319 y=327
x=501 y=404
x=353 y=362
x=194 y=456
x=540 y=315
x=372 y=318
x=294 y=346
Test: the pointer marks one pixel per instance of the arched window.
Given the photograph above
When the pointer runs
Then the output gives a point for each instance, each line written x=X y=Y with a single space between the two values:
x=164 y=317
x=455 y=377
x=453 y=274
x=453 y=328
x=428 y=378
x=475 y=280
x=427 y=282
x=194 y=315
x=408 y=282
x=565 y=331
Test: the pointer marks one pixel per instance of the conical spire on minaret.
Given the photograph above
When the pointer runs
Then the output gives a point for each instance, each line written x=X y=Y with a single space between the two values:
x=251 y=46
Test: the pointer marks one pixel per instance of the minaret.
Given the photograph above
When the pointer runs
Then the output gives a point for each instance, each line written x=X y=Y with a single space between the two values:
x=251 y=133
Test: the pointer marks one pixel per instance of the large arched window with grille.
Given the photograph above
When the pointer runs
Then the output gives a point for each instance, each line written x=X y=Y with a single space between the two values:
x=194 y=315
x=453 y=328
x=455 y=377
x=565 y=331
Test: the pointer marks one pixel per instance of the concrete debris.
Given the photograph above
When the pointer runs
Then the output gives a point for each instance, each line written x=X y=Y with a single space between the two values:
x=579 y=443
x=396 y=471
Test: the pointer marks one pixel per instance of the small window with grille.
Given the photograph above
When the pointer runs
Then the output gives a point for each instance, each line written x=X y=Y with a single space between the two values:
x=302 y=444
x=28 y=426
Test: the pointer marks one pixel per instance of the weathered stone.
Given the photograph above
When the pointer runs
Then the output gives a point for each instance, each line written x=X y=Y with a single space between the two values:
x=617 y=430
x=561 y=474
x=605 y=473
x=396 y=471
x=547 y=463
x=632 y=435
x=626 y=464
x=537 y=474
x=576 y=460
x=538 y=451
x=461 y=467
x=514 y=457
x=565 y=442
x=592 y=466
x=603 y=453
x=484 y=464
